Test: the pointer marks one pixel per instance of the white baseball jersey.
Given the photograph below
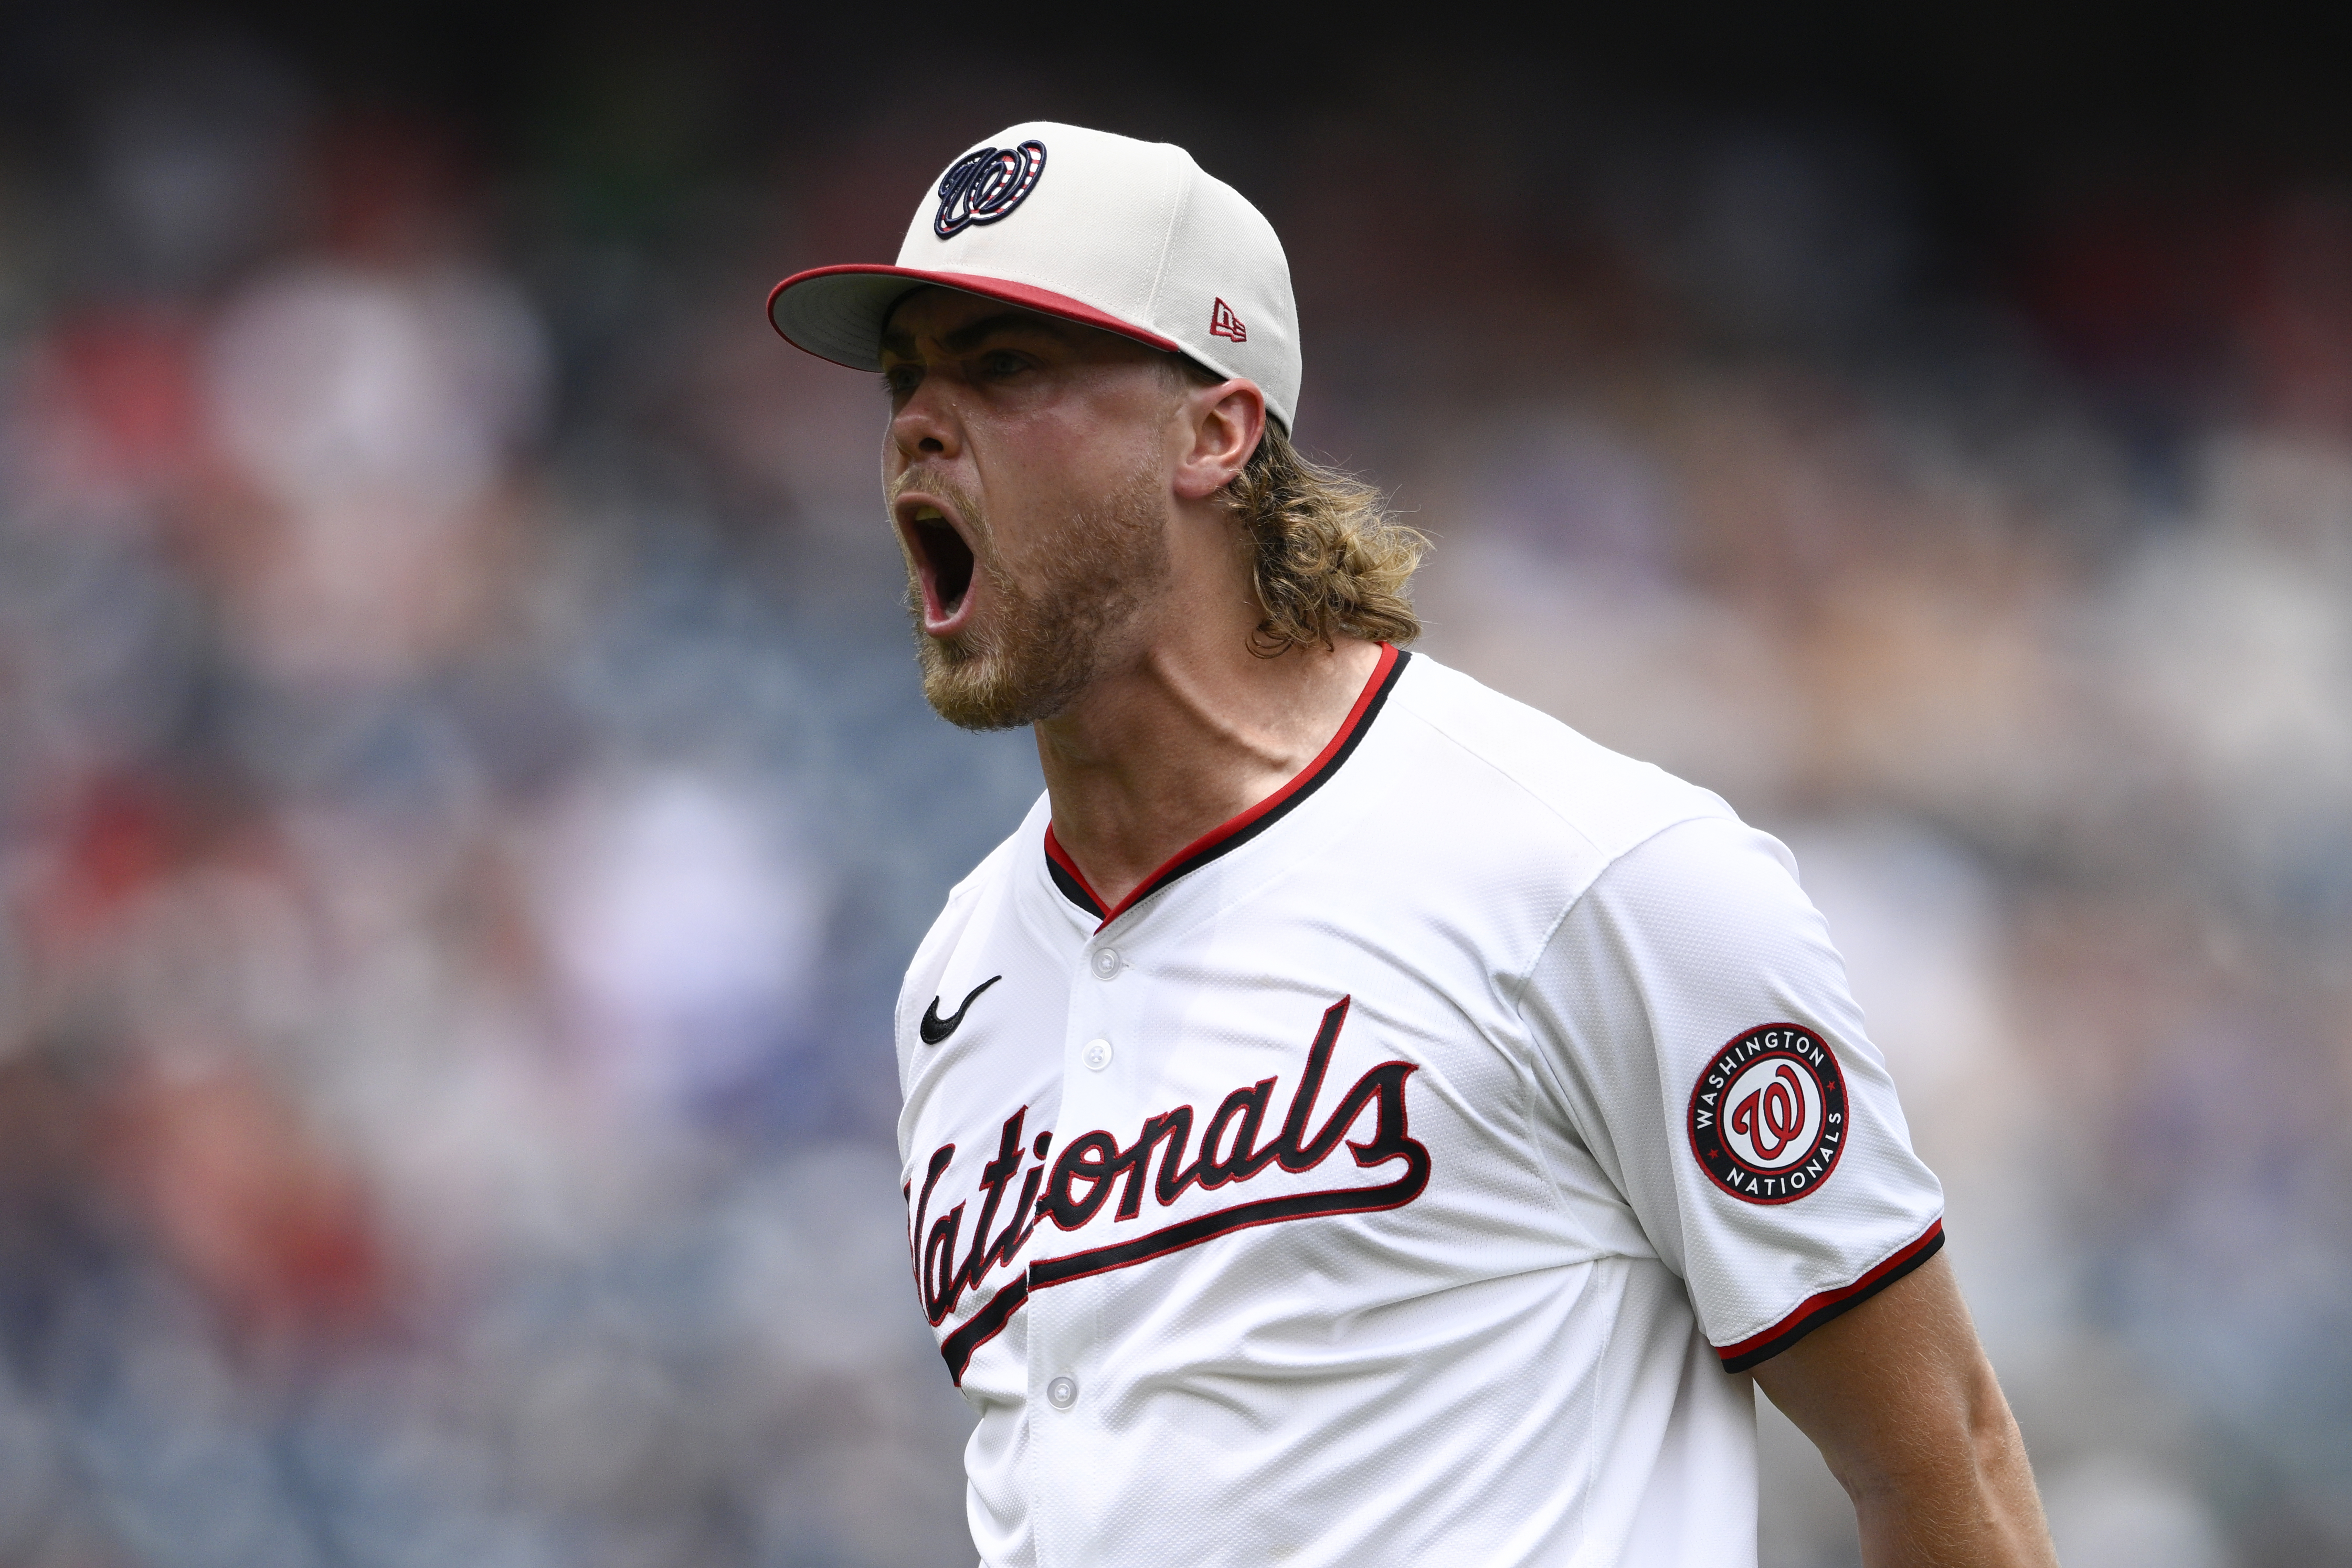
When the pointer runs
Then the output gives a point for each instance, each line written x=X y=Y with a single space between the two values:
x=1402 y=1174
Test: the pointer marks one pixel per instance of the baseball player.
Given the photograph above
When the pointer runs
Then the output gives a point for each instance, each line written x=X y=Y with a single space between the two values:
x=1354 y=1119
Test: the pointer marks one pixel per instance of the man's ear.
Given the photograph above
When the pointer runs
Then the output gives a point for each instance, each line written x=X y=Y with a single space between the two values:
x=1223 y=424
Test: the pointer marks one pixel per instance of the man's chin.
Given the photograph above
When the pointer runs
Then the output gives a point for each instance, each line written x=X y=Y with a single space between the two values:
x=978 y=691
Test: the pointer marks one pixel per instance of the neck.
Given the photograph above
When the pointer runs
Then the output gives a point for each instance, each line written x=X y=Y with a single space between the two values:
x=1191 y=732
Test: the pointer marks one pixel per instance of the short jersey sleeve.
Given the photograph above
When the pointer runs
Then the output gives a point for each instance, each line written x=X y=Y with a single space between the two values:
x=1695 y=1022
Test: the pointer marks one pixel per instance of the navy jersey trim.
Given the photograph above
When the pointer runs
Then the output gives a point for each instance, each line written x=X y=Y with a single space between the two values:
x=1239 y=830
x=1067 y=878
x=1815 y=1311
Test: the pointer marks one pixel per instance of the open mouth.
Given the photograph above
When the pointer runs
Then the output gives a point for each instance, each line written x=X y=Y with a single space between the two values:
x=944 y=559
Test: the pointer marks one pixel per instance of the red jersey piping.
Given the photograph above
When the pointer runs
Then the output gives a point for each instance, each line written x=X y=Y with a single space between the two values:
x=1815 y=1311
x=1233 y=834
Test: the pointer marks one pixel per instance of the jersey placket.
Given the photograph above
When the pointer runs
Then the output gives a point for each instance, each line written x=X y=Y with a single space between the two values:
x=1067 y=1378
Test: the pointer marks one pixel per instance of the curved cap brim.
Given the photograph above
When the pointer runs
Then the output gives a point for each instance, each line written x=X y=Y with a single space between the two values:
x=838 y=313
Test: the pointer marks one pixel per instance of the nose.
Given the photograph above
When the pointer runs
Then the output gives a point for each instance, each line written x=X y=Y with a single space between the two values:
x=926 y=427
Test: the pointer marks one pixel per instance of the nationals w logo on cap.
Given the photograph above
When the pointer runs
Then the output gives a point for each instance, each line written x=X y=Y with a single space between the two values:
x=986 y=185
x=1131 y=237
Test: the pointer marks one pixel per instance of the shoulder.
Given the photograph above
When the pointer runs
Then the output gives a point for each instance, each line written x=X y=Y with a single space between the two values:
x=982 y=886
x=1526 y=774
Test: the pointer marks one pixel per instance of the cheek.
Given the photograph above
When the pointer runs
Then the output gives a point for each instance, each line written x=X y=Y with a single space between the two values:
x=1041 y=470
x=1028 y=488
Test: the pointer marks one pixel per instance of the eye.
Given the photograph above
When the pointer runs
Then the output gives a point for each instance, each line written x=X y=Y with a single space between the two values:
x=999 y=363
x=899 y=380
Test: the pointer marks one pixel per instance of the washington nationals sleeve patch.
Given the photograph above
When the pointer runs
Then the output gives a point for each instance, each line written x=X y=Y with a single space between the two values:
x=1768 y=1116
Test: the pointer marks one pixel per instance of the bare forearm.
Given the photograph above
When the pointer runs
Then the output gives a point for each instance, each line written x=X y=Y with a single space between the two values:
x=1979 y=1509
x=1906 y=1411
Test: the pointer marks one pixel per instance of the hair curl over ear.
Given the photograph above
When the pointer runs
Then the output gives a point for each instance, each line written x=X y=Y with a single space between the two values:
x=1328 y=560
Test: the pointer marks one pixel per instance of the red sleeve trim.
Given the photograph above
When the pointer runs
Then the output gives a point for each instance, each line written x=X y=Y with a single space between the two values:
x=1815 y=1311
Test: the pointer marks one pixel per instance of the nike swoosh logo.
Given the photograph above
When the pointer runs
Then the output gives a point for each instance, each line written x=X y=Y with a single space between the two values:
x=935 y=1028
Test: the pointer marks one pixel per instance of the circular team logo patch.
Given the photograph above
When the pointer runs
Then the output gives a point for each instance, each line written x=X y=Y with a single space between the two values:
x=1768 y=1118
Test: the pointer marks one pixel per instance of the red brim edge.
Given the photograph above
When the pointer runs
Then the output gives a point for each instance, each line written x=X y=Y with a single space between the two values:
x=850 y=333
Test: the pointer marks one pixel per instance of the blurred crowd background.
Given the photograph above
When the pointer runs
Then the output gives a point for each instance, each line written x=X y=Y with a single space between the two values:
x=466 y=802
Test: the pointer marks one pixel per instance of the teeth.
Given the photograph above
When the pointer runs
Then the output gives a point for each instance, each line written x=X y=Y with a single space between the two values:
x=928 y=514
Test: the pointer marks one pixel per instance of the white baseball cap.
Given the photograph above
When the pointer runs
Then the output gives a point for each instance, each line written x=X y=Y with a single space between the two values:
x=1126 y=235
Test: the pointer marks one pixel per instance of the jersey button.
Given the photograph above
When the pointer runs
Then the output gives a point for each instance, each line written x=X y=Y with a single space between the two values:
x=1097 y=1055
x=1062 y=1392
x=1106 y=962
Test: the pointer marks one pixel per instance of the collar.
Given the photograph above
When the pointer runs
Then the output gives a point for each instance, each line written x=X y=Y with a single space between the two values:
x=1233 y=834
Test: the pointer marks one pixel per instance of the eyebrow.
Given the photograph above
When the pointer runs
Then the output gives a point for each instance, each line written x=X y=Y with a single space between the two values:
x=964 y=339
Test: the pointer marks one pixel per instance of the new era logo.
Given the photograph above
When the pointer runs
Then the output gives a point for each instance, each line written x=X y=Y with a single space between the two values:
x=1223 y=323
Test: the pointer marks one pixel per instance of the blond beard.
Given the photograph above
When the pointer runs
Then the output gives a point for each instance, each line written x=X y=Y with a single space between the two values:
x=1045 y=643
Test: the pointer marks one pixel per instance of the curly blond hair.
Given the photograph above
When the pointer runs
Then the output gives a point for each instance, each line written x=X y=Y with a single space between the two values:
x=1329 y=561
